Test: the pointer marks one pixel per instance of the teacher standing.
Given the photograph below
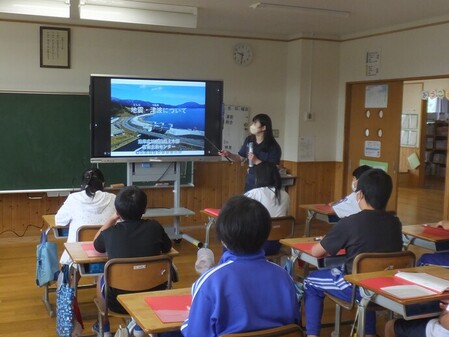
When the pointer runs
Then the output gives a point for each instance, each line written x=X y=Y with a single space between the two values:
x=258 y=147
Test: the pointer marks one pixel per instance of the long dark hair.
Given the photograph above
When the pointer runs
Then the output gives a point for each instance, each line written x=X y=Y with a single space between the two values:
x=92 y=181
x=267 y=175
x=265 y=120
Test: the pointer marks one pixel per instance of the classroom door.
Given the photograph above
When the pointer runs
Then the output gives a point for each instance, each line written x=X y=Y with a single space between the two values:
x=373 y=128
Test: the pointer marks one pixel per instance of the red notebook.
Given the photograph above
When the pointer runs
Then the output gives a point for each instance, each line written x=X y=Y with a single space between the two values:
x=212 y=211
x=170 y=309
x=90 y=250
x=306 y=247
x=439 y=231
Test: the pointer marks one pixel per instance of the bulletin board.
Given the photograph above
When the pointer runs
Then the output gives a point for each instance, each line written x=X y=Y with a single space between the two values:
x=235 y=127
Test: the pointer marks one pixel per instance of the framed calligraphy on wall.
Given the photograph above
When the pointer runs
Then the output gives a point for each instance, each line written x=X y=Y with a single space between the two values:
x=54 y=47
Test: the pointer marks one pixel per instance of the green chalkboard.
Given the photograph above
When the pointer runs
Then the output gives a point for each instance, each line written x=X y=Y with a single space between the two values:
x=45 y=142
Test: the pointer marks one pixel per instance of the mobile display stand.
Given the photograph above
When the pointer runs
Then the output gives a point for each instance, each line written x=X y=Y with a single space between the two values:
x=163 y=174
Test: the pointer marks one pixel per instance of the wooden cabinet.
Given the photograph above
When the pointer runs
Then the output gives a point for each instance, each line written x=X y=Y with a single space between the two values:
x=436 y=148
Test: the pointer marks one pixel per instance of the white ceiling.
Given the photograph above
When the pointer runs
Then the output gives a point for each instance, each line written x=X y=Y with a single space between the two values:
x=236 y=18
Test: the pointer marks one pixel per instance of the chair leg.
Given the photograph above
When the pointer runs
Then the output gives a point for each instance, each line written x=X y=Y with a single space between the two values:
x=46 y=299
x=209 y=224
x=100 y=325
x=336 y=332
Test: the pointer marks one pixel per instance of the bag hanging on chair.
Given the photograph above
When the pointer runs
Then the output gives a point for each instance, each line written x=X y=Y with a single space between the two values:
x=47 y=265
x=64 y=305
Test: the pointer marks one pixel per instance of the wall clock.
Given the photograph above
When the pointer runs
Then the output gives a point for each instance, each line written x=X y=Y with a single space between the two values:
x=243 y=54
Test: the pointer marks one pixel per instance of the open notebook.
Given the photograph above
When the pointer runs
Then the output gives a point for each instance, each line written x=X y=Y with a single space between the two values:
x=409 y=285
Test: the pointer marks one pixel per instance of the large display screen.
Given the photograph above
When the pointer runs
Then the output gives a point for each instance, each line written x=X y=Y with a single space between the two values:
x=138 y=119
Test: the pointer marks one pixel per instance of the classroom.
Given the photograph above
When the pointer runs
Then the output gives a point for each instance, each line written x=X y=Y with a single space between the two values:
x=310 y=84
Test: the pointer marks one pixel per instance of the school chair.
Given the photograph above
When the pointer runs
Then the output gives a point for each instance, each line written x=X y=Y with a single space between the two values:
x=87 y=232
x=289 y=330
x=133 y=274
x=365 y=263
x=84 y=233
x=281 y=228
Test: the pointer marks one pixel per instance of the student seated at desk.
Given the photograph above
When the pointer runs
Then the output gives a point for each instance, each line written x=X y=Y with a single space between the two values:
x=269 y=193
x=244 y=292
x=131 y=236
x=90 y=206
x=371 y=230
x=425 y=327
x=349 y=205
x=439 y=259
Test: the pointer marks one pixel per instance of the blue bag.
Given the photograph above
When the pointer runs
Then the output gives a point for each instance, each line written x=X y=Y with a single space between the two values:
x=65 y=295
x=47 y=264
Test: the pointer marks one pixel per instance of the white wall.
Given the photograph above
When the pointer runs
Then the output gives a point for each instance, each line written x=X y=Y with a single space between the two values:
x=408 y=54
x=261 y=85
x=278 y=81
x=312 y=82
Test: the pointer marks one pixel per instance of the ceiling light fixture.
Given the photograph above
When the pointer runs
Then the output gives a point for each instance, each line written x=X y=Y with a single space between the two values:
x=51 y=8
x=138 y=12
x=301 y=9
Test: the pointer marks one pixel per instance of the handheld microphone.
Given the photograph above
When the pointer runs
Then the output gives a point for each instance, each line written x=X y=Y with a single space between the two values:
x=250 y=150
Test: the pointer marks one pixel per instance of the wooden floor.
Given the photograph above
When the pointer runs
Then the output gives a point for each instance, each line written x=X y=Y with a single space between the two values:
x=22 y=312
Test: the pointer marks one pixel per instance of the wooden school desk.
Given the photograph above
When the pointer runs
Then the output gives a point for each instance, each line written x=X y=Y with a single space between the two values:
x=59 y=232
x=322 y=212
x=90 y=265
x=144 y=315
x=411 y=308
x=301 y=250
x=418 y=235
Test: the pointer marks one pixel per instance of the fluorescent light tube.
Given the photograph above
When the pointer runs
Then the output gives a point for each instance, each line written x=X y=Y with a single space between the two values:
x=51 y=8
x=301 y=9
x=139 y=13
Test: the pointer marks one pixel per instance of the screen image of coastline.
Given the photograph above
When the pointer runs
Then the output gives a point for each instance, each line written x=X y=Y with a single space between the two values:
x=157 y=117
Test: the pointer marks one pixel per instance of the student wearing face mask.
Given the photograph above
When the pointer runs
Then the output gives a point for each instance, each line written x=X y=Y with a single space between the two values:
x=371 y=230
x=349 y=205
x=258 y=147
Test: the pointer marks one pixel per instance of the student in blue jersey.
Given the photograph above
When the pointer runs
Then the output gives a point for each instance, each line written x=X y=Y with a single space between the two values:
x=373 y=229
x=258 y=147
x=348 y=205
x=244 y=292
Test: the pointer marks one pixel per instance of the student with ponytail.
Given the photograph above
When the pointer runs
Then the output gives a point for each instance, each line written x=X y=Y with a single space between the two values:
x=90 y=206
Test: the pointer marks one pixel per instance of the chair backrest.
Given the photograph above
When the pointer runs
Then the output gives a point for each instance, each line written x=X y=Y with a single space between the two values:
x=290 y=330
x=87 y=232
x=282 y=228
x=370 y=262
x=138 y=273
